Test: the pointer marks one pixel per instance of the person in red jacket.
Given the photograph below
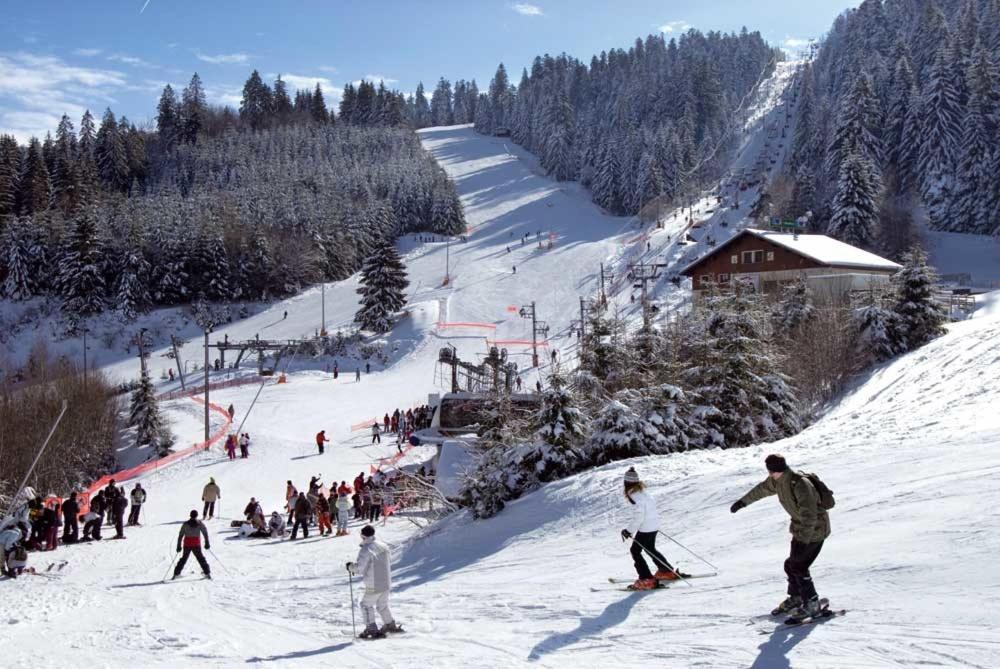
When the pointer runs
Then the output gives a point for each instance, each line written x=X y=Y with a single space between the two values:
x=320 y=440
x=343 y=489
x=189 y=537
x=359 y=481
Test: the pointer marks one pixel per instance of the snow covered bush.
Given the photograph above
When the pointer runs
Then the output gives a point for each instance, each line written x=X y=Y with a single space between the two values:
x=921 y=319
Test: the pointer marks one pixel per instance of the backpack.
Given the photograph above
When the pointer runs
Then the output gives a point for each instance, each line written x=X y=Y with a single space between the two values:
x=826 y=500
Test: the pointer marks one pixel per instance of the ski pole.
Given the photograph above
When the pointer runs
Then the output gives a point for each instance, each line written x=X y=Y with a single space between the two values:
x=689 y=550
x=676 y=571
x=212 y=553
x=350 y=581
x=169 y=568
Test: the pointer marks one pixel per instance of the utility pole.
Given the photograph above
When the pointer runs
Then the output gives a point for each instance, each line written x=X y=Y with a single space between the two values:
x=582 y=317
x=605 y=276
x=447 y=261
x=142 y=353
x=177 y=359
x=85 y=359
x=207 y=429
x=644 y=273
x=322 y=328
x=537 y=327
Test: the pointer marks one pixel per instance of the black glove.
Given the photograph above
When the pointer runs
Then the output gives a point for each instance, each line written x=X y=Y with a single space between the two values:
x=349 y=565
x=626 y=535
x=207 y=547
x=737 y=505
x=178 y=549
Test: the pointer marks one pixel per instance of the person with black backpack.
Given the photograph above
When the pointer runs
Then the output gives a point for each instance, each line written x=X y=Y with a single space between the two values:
x=806 y=499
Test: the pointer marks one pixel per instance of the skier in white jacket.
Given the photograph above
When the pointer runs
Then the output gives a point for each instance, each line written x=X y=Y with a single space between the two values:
x=373 y=566
x=642 y=530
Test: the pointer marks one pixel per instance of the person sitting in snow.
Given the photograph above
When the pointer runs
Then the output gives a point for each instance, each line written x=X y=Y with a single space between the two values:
x=276 y=525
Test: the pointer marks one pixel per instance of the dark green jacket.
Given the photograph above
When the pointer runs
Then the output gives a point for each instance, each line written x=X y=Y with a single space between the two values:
x=799 y=498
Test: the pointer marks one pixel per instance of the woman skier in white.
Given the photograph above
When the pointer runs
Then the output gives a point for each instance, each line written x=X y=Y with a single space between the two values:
x=373 y=566
x=642 y=530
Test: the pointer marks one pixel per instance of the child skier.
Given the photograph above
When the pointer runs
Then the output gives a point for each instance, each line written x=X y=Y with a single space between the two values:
x=643 y=529
x=373 y=566
x=343 y=513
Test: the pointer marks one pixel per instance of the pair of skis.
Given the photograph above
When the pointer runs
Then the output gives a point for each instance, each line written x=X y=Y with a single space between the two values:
x=791 y=622
x=617 y=582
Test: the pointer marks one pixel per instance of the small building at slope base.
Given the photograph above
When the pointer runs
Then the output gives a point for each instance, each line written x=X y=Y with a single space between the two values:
x=768 y=260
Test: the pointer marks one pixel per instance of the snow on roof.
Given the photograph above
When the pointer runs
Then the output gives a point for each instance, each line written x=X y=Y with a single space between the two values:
x=824 y=250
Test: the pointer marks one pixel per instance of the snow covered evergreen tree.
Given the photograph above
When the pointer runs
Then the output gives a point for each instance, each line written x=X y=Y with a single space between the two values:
x=383 y=285
x=15 y=253
x=794 y=310
x=855 y=206
x=132 y=290
x=921 y=318
x=940 y=140
x=80 y=277
x=878 y=328
x=144 y=411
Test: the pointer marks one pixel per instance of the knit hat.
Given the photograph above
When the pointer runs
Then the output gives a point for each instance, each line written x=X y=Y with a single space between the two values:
x=194 y=514
x=631 y=476
x=775 y=463
x=368 y=531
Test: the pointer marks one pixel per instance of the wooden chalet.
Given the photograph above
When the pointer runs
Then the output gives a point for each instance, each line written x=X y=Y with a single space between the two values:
x=767 y=260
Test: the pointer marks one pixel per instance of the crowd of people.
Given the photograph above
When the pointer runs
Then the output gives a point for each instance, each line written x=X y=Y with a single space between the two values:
x=402 y=424
x=35 y=526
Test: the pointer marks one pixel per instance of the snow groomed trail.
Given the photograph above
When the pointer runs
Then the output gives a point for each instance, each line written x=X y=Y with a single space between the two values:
x=911 y=454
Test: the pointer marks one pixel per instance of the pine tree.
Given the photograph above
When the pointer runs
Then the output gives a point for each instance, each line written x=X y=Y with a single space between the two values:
x=168 y=117
x=80 y=277
x=803 y=192
x=857 y=128
x=347 y=102
x=283 y=103
x=256 y=104
x=618 y=433
x=15 y=254
x=35 y=190
x=441 y=109
x=879 y=336
x=9 y=176
x=319 y=112
x=975 y=207
x=855 y=205
x=193 y=110
x=132 y=290
x=606 y=190
x=940 y=140
x=422 y=110
x=111 y=154
x=499 y=97
x=921 y=318
x=794 y=310
x=383 y=285
x=144 y=412
x=559 y=153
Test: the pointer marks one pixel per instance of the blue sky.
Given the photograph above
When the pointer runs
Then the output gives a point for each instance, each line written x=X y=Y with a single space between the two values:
x=59 y=56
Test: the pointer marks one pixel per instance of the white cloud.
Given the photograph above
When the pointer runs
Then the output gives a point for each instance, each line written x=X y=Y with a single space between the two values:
x=224 y=58
x=672 y=26
x=35 y=90
x=525 y=9
x=375 y=78
x=130 y=60
x=794 y=46
x=225 y=95
x=298 y=81
x=88 y=53
x=328 y=68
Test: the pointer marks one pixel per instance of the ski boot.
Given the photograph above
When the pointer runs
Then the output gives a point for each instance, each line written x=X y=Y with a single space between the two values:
x=372 y=632
x=175 y=577
x=645 y=584
x=670 y=575
x=392 y=628
x=790 y=606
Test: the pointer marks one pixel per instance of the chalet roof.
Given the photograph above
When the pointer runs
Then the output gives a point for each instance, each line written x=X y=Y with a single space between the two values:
x=824 y=250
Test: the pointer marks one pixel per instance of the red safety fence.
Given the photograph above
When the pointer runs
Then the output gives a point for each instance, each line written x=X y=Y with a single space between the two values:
x=152 y=465
x=391 y=462
x=487 y=326
x=366 y=424
x=513 y=342
x=218 y=385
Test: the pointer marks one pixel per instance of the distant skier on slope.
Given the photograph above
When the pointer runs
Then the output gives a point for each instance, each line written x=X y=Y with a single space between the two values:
x=810 y=526
x=190 y=534
x=642 y=530
x=373 y=566
x=210 y=494
x=320 y=440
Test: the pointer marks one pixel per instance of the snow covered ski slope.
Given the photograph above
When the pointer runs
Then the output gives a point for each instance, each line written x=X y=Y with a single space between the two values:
x=912 y=454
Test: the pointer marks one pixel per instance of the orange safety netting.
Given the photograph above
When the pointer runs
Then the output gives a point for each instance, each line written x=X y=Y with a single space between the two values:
x=489 y=326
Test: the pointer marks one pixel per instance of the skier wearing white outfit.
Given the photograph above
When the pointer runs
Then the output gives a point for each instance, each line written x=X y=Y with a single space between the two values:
x=373 y=566
x=643 y=528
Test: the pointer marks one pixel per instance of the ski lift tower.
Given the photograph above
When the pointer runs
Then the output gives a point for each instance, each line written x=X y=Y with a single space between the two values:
x=537 y=327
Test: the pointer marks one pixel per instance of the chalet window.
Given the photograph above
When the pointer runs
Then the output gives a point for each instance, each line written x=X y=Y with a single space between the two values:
x=706 y=279
x=753 y=257
x=735 y=259
x=770 y=256
x=723 y=278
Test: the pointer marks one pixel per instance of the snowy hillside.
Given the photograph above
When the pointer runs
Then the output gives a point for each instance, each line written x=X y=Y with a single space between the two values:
x=911 y=453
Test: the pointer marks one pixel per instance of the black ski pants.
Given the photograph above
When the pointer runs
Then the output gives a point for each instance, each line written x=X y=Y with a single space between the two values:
x=71 y=529
x=797 y=565
x=209 y=510
x=303 y=522
x=133 y=516
x=647 y=541
x=198 y=555
x=119 y=523
x=92 y=528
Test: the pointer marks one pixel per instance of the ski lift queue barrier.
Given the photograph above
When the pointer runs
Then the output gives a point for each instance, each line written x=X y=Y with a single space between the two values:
x=83 y=498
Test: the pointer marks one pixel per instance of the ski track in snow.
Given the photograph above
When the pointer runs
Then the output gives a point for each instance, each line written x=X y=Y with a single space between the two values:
x=911 y=452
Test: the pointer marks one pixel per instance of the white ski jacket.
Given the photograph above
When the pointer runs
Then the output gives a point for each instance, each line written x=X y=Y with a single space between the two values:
x=373 y=565
x=645 y=517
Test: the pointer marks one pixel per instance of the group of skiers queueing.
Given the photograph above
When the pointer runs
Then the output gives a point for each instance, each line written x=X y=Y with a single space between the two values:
x=36 y=528
x=244 y=445
x=402 y=424
x=803 y=496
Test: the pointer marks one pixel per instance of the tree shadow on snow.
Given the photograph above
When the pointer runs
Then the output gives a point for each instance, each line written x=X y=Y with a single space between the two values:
x=774 y=652
x=614 y=614
x=301 y=653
